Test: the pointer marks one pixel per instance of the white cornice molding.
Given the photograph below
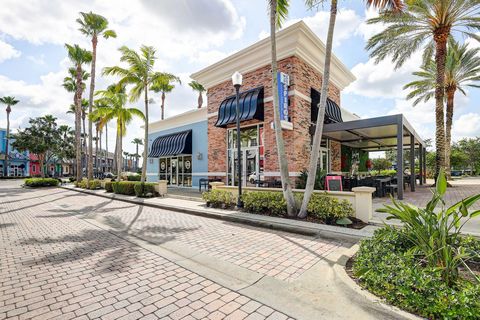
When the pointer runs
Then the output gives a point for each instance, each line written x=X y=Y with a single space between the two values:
x=295 y=40
x=182 y=119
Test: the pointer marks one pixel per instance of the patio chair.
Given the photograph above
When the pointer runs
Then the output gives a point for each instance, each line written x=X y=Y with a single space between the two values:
x=391 y=189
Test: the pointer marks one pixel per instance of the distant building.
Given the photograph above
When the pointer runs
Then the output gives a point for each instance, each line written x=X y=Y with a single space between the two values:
x=18 y=162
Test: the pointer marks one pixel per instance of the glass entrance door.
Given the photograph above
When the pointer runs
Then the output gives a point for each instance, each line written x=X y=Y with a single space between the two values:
x=174 y=168
x=250 y=167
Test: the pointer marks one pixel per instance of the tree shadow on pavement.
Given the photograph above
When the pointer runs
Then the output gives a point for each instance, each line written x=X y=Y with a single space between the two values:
x=31 y=198
x=152 y=234
x=38 y=203
x=6 y=225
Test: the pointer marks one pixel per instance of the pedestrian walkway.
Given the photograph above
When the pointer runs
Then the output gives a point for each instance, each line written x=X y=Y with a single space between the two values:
x=67 y=254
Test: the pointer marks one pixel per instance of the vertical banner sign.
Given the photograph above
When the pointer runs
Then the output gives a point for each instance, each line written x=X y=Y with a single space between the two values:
x=283 y=81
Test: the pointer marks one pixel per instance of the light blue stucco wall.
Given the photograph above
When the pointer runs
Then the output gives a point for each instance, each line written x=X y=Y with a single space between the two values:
x=16 y=158
x=199 y=145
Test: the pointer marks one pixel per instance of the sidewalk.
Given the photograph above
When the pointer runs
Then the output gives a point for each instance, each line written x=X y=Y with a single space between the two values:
x=275 y=223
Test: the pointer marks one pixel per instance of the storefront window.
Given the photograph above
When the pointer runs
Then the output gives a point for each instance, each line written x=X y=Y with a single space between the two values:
x=176 y=170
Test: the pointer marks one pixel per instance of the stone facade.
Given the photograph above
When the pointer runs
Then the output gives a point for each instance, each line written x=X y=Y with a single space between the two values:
x=303 y=77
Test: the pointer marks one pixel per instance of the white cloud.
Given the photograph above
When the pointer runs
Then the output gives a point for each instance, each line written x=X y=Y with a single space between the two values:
x=7 y=51
x=346 y=24
x=466 y=126
x=382 y=80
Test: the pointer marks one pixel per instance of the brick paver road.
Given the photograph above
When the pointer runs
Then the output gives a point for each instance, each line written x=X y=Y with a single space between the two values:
x=56 y=265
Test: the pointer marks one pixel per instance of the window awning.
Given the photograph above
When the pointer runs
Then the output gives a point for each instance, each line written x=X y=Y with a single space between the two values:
x=172 y=144
x=251 y=107
x=333 y=114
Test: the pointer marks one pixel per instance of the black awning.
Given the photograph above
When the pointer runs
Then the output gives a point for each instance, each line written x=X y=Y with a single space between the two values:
x=172 y=144
x=333 y=114
x=251 y=107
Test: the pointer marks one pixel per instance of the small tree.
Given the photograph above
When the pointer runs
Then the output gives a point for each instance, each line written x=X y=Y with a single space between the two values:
x=43 y=138
x=381 y=164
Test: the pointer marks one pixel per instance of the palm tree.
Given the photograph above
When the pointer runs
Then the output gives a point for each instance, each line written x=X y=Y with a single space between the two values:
x=141 y=75
x=137 y=142
x=462 y=67
x=9 y=101
x=164 y=84
x=78 y=57
x=114 y=100
x=427 y=25
x=83 y=132
x=390 y=7
x=125 y=161
x=200 y=89
x=93 y=25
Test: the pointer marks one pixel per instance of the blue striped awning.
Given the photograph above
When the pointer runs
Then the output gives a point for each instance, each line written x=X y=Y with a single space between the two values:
x=251 y=107
x=172 y=144
x=333 y=114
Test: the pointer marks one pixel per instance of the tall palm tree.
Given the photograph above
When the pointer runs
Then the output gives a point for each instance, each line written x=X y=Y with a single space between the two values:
x=200 y=89
x=93 y=25
x=9 y=101
x=83 y=132
x=114 y=100
x=125 y=160
x=137 y=142
x=140 y=74
x=462 y=68
x=79 y=57
x=278 y=12
x=164 y=84
x=427 y=25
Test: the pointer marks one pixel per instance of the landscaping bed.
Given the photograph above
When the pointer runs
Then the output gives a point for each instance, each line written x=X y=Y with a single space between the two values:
x=322 y=209
x=427 y=267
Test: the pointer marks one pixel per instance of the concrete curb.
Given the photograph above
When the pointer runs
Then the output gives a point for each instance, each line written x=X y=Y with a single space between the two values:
x=293 y=226
x=339 y=269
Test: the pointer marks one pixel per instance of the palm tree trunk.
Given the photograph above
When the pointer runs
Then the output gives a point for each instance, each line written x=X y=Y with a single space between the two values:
x=115 y=154
x=282 y=158
x=136 y=157
x=106 y=145
x=90 y=103
x=99 y=160
x=96 y=152
x=84 y=143
x=78 y=116
x=41 y=159
x=200 y=99
x=119 y=151
x=145 y=142
x=163 y=105
x=8 y=141
x=440 y=38
x=317 y=139
x=448 y=131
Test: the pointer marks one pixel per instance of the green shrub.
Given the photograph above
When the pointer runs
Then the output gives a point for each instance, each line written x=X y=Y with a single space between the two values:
x=265 y=202
x=135 y=177
x=387 y=266
x=319 y=180
x=145 y=189
x=72 y=179
x=435 y=233
x=124 y=187
x=41 y=182
x=83 y=184
x=115 y=186
x=108 y=186
x=329 y=209
x=94 y=184
x=219 y=198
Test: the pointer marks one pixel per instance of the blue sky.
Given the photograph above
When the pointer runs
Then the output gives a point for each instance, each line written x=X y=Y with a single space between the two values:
x=189 y=35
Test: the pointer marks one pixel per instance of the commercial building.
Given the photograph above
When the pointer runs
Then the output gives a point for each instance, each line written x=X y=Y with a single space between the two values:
x=18 y=162
x=204 y=140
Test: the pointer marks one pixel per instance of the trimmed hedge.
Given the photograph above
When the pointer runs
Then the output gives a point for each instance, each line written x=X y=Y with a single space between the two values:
x=219 y=198
x=144 y=189
x=329 y=209
x=265 y=202
x=387 y=266
x=94 y=184
x=108 y=186
x=41 y=182
x=134 y=178
x=124 y=187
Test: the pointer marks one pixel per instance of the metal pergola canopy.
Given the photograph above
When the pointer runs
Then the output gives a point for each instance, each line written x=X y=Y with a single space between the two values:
x=380 y=134
x=373 y=134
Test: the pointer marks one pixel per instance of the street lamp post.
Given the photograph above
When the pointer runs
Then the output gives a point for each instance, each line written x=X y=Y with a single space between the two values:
x=237 y=83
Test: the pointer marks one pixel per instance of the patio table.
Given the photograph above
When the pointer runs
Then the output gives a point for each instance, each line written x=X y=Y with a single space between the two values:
x=382 y=183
